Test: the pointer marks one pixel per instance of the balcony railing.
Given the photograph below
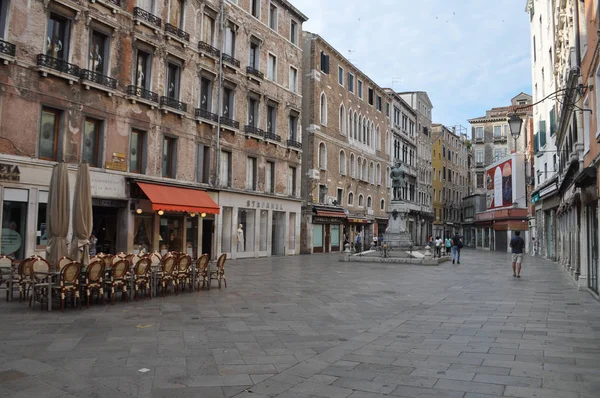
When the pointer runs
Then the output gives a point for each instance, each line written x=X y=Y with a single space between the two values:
x=116 y=3
x=499 y=138
x=7 y=48
x=255 y=131
x=230 y=122
x=208 y=49
x=145 y=16
x=58 y=65
x=255 y=72
x=230 y=60
x=99 y=79
x=173 y=104
x=175 y=31
x=272 y=137
x=142 y=93
x=294 y=144
x=206 y=115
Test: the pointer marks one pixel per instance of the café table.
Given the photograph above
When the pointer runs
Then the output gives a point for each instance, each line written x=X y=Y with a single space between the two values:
x=50 y=275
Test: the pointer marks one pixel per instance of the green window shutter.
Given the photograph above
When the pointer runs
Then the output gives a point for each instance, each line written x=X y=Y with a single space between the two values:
x=542 y=133
x=552 y=121
x=536 y=147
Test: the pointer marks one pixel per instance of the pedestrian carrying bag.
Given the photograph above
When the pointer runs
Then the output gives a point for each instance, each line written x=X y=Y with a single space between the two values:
x=460 y=244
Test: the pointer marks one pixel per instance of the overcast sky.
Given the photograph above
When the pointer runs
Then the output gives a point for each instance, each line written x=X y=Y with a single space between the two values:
x=469 y=55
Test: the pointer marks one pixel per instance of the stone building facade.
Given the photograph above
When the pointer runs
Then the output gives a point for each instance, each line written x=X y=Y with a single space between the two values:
x=157 y=95
x=345 y=161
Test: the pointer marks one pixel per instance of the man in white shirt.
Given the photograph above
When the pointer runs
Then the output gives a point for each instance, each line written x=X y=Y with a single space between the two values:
x=438 y=246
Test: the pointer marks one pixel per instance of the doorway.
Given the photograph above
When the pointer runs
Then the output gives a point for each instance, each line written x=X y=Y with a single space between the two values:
x=327 y=238
x=105 y=229
x=278 y=234
x=207 y=231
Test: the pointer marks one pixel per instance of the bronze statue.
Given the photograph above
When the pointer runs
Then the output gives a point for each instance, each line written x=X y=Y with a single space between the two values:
x=398 y=180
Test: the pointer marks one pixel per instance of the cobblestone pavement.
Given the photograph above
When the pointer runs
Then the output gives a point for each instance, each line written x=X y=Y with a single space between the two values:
x=311 y=326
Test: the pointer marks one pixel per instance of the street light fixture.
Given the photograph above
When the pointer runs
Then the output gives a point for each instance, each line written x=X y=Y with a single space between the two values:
x=515 y=123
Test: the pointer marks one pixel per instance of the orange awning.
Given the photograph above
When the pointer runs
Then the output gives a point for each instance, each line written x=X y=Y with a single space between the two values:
x=326 y=213
x=168 y=198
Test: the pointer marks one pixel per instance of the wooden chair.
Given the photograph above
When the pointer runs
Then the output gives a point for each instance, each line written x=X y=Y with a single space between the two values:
x=167 y=274
x=25 y=275
x=156 y=258
x=140 y=276
x=182 y=274
x=94 y=280
x=202 y=271
x=219 y=272
x=7 y=276
x=40 y=281
x=118 y=279
x=64 y=260
x=69 y=282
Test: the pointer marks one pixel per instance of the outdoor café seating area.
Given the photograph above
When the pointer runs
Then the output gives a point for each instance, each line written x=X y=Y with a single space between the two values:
x=107 y=278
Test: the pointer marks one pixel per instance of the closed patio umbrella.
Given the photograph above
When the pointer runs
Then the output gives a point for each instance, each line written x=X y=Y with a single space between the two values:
x=57 y=218
x=82 y=216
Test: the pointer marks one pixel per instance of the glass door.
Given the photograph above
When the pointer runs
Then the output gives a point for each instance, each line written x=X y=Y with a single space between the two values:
x=593 y=248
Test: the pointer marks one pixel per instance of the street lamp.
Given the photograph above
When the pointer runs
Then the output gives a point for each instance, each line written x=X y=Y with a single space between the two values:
x=515 y=123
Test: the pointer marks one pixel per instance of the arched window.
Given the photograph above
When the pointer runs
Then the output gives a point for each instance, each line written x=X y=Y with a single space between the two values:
x=371 y=173
x=352 y=168
x=355 y=126
x=364 y=170
x=350 y=123
x=368 y=134
x=342 y=163
x=322 y=156
x=378 y=172
x=387 y=177
x=364 y=131
x=382 y=205
x=377 y=139
x=360 y=172
x=342 y=120
x=361 y=201
x=350 y=199
x=369 y=202
x=323 y=109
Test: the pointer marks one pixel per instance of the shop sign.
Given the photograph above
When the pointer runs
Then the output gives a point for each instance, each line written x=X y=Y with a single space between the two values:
x=535 y=197
x=10 y=172
x=257 y=204
x=358 y=221
x=119 y=162
x=106 y=185
x=109 y=203
x=326 y=220
x=11 y=241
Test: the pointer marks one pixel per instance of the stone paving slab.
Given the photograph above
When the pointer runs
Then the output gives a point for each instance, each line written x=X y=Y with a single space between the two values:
x=312 y=326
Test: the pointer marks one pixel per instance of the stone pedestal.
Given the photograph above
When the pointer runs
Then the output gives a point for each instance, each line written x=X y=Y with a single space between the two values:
x=396 y=234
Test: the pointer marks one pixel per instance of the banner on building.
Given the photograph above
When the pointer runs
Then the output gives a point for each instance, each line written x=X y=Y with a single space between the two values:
x=499 y=184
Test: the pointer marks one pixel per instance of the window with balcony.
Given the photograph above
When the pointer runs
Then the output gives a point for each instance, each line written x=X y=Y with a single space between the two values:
x=294 y=32
x=91 y=151
x=173 y=76
x=98 y=53
x=146 y=5
x=176 y=13
x=292 y=189
x=293 y=79
x=272 y=68
x=143 y=68
x=58 y=37
x=208 y=29
x=293 y=124
x=270 y=177
x=203 y=164
x=4 y=6
x=169 y=157
x=251 y=173
x=273 y=16
x=225 y=169
x=228 y=96
x=271 y=119
x=137 y=152
x=49 y=134
x=206 y=86
x=252 y=112
x=230 y=40
x=254 y=57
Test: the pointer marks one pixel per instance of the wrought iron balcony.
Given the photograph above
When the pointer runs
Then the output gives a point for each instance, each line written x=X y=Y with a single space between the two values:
x=294 y=144
x=230 y=122
x=98 y=79
x=7 y=48
x=204 y=114
x=272 y=137
x=143 y=15
x=255 y=72
x=230 y=60
x=142 y=93
x=58 y=65
x=175 y=31
x=255 y=131
x=499 y=138
x=173 y=104
x=116 y=3
x=208 y=49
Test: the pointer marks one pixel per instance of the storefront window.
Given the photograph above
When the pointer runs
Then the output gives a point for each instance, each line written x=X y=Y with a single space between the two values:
x=486 y=237
x=335 y=235
x=264 y=224
x=278 y=234
x=245 y=230
x=226 y=231
x=317 y=235
x=142 y=239
x=171 y=233
x=292 y=232
x=191 y=236
x=14 y=221
x=41 y=237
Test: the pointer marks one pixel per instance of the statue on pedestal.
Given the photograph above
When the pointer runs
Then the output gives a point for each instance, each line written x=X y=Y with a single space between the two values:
x=398 y=180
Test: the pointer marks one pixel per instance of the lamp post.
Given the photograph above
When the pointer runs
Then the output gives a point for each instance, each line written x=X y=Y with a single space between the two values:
x=515 y=123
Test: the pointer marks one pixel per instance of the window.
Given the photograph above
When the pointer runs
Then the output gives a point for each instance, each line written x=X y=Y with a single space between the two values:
x=272 y=68
x=340 y=76
x=271 y=119
x=91 y=151
x=479 y=180
x=361 y=201
x=230 y=39
x=208 y=29
x=203 y=164
x=322 y=156
x=360 y=85
x=225 y=169
x=369 y=202
x=324 y=63
x=58 y=36
x=371 y=173
x=255 y=8
x=98 y=54
x=228 y=102
x=137 y=152
x=382 y=205
x=342 y=163
x=342 y=120
x=254 y=54
x=378 y=174
x=479 y=156
x=340 y=196
x=378 y=103
x=294 y=32
x=270 y=177
x=272 y=17
x=350 y=82
x=293 y=79
x=4 y=5
x=292 y=181
x=49 y=137
x=143 y=70
x=293 y=124
x=251 y=172
x=322 y=193
x=169 y=159
x=534 y=50
x=497 y=131
x=479 y=132
x=173 y=73
x=205 y=97
x=387 y=110
x=352 y=168
x=350 y=199
x=176 y=16
x=323 y=109
x=252 y=112
x=498 y=154
x=371 y=95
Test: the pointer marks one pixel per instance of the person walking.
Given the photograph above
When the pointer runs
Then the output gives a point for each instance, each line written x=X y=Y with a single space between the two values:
x=448 y=245
x=457 y=244
x=358 y=243
x=517 y=244
x=438 y=246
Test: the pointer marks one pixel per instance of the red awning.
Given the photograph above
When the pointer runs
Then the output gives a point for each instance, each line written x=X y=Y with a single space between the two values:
x=328 y=213
x=170 y=198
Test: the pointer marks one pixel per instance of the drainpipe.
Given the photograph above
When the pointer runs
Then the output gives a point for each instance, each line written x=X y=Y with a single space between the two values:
x=220 y=94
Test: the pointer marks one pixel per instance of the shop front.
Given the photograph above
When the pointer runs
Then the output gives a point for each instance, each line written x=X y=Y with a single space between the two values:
x=257 y=226
x=363 y=226
x=328 y=234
